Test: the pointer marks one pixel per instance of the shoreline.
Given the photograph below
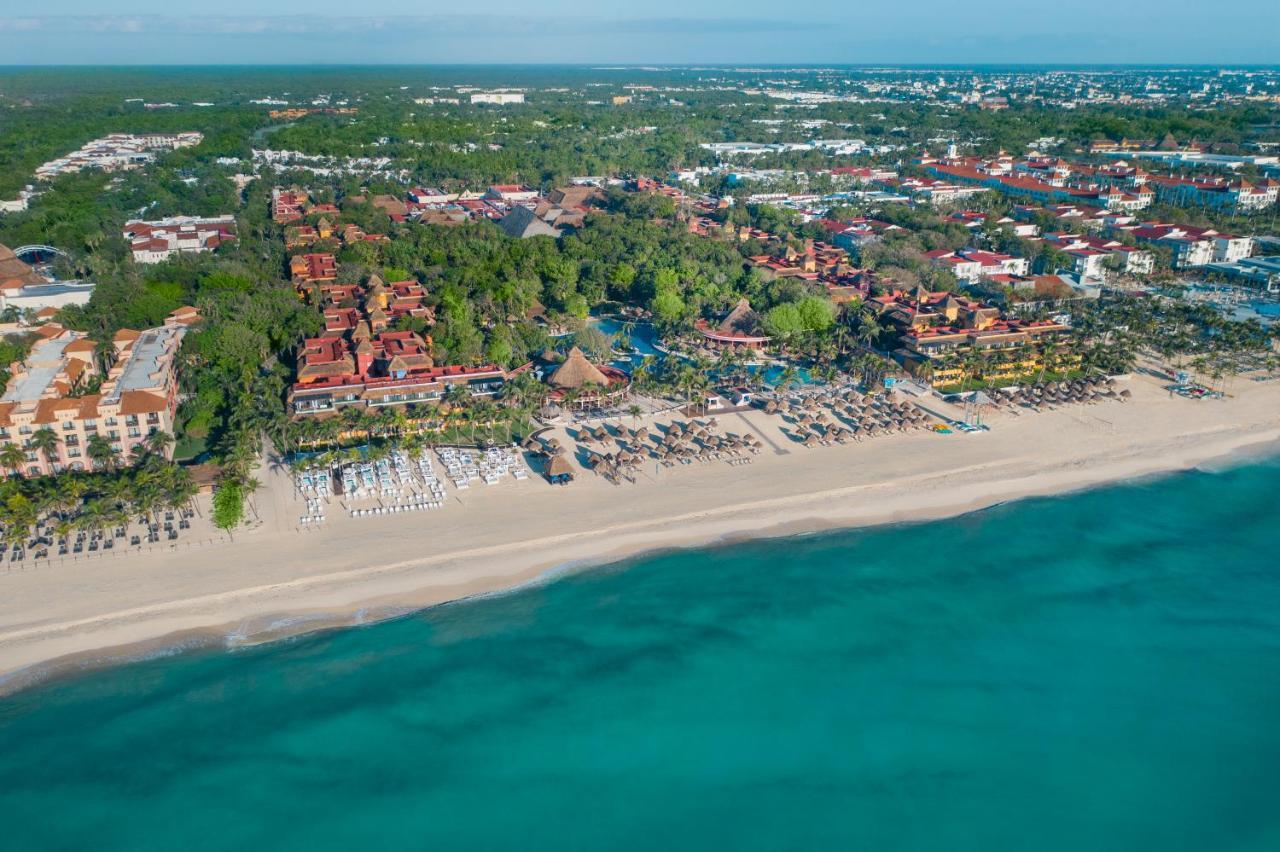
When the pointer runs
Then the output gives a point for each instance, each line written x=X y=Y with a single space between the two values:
x=320 y=581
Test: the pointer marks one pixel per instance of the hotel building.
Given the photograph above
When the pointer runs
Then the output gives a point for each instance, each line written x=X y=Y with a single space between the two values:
x=137 y=396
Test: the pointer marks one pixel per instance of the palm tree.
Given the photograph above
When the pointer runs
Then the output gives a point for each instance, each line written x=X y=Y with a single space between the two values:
x=69 y=493
x=972 y=362
x=1048 y=354
x=924 y=371
x=869 y=329
x=641 y=376
x=12 y=457
x=100 y=452
x=158 y=442
x=46 y=441
x=635 y=411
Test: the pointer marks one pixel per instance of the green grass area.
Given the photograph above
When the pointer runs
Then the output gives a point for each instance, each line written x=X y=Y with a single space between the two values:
x=187 y=448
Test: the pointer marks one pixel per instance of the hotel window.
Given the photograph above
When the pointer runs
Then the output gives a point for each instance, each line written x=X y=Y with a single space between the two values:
x=131 y=420
x=153 y=418
x=135 y=432
x=113 y=435
x=24 y=430
x=68 y=425
x=111 y=421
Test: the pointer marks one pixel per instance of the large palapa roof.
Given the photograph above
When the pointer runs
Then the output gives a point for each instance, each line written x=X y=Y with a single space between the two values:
x=14 y=269
x=577 y=372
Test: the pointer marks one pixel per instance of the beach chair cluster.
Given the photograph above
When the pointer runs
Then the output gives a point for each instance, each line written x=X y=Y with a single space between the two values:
x=316 y=487
x=315 y=512
x=466 y=466
x=314 y=483
x=49 y=541
x=430 y=481
x=370 y=479
x=400 y=483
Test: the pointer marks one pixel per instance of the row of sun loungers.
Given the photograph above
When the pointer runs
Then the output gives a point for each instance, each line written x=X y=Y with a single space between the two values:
x=93 y=542
x=416 y=506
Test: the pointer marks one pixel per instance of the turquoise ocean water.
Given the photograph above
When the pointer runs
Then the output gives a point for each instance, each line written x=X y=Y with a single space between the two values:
x=1094 y=672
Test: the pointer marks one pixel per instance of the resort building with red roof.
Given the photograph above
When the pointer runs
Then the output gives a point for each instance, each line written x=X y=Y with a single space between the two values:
x=307 y=270
x=289 y=205
x=361 y=359
x=1091 y=256
x=945 y=339
x=973 y=265
x=159 y=240
x=1194 y=246
x=137 y=396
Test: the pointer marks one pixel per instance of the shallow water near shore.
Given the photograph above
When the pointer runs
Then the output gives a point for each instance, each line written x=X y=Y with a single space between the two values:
x=1094 y=671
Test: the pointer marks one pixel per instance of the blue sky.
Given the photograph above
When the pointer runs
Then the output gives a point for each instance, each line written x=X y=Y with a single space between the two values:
x=655 y=31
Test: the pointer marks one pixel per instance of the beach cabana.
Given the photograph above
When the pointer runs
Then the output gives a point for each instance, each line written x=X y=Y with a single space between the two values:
x=559 y=471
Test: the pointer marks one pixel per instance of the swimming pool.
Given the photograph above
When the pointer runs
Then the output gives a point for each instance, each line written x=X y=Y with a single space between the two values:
x=639 y=334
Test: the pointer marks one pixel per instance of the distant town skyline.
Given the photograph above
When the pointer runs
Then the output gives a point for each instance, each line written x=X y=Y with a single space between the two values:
x=145 y=32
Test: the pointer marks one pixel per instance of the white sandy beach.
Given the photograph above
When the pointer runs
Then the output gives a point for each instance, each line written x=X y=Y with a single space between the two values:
x=275 y=579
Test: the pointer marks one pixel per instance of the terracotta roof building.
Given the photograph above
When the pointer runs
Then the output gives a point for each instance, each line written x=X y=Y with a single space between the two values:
x=937 y=332
x=359 y=360
x=137 y=396
x=153 y=242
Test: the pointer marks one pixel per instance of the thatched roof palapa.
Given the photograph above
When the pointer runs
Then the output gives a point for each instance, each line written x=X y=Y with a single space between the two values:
x=559 y=466
x=741 y=320
x=577 y=372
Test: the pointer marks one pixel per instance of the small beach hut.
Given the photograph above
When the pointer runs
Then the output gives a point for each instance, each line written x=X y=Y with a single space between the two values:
x=559 y=471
